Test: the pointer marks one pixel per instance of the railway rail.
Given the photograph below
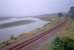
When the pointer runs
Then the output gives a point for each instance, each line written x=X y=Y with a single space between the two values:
x=29 y=41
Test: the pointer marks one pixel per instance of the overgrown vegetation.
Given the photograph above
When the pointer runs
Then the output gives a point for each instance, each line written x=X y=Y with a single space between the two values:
x=3 y=44
x=63 y=44
x=8 y=42
x=66 y=42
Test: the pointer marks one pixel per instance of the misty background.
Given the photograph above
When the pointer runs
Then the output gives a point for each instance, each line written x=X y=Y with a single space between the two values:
x=10 y=8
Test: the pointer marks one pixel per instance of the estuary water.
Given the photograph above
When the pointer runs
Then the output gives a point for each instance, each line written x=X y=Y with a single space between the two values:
x=14 y=26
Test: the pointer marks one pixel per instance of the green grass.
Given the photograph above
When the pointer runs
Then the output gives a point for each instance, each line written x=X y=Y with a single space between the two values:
x=67 y=33
x=60 y=44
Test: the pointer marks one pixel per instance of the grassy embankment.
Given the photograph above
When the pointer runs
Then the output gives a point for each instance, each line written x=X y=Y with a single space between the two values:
x=66 y=33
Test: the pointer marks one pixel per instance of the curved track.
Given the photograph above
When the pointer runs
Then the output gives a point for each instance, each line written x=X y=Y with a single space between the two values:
x=29 y=41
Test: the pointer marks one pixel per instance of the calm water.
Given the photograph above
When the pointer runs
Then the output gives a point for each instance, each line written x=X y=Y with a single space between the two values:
x=16 y=28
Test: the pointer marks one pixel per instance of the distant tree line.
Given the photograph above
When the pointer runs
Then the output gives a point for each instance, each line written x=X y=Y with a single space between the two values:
x=71 y=13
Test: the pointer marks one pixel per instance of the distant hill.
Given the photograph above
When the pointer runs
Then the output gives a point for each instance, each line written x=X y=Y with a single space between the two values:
x=46 y=17
x=4 y=18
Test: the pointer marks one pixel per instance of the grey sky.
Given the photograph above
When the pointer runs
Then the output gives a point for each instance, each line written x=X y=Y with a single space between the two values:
x=33 y=7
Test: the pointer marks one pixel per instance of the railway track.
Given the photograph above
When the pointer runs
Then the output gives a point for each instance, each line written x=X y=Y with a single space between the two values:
x=29 y=41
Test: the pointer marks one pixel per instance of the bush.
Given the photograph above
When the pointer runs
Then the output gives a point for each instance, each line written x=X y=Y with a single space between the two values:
x=66 y=44
x=13 y=38
x=60 y=14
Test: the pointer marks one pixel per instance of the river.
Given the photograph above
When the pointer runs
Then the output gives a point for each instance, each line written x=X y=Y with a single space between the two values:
x=15 y=26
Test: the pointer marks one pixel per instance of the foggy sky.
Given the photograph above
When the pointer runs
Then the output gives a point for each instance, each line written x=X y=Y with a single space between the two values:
x=33 y=7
